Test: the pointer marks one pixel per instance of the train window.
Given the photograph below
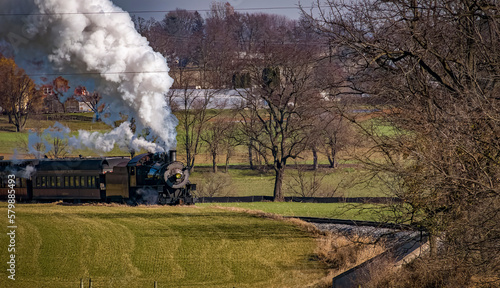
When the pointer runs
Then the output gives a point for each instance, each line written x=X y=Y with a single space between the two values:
x=37 y=181
x=77 y=181
x=71 y=181
x=82 y=181
x=66 y=181
x=94 y=181
x=58 y=181
x=52 y=181
x=89 y=181
x=44 y=181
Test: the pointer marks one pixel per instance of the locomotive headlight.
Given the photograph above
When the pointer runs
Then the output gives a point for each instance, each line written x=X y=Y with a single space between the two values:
x=178 y=175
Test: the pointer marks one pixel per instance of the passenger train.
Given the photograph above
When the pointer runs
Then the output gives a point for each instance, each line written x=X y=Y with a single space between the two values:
x=146 y=178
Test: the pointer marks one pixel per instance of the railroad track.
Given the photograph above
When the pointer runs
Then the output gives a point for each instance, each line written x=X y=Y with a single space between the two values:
x=247 y=199
x=359 y=223
x=405 y=242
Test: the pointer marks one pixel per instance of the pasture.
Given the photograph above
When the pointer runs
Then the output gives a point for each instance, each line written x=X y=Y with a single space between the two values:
x=343 y=181
x=368 y=212
x=120 y=246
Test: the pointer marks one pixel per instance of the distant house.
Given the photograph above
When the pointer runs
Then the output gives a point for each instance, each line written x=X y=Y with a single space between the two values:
x=51 y=94
x=50 y=100
x=77 y=100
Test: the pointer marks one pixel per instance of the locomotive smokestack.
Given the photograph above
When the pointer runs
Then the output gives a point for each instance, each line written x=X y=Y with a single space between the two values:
x=173 y=155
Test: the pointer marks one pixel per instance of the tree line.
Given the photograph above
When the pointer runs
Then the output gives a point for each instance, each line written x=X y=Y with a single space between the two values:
x=430 y=68
x=433 y=65
x=280 y=68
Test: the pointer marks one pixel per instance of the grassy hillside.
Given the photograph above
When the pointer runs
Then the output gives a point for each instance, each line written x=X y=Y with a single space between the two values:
x=368 y=212
x=121 y=246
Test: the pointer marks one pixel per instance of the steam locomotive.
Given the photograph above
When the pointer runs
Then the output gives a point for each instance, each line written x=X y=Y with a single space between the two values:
x=147 y=178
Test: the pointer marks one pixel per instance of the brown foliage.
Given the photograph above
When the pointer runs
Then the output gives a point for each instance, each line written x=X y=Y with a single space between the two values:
x=215 y=185
x=18 y=94
x=435 y=65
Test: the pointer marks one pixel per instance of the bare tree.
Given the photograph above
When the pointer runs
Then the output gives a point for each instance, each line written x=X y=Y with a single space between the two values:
x=206 y=64
x=194 y=116
x=181 y=28
x=217 y=137
x=219 y=53
x=215 y=184
x=232 y=139
x=59 y=148
x=434 y=66
x=306 y=183
x=335 y=135
x=281 y=100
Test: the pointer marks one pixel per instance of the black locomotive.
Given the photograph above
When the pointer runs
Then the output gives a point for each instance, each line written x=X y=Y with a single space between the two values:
x=146 y=178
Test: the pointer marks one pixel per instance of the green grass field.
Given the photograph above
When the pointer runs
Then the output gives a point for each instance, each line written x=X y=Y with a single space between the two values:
x=340 y=182
x=323 y=210
x=122 y=246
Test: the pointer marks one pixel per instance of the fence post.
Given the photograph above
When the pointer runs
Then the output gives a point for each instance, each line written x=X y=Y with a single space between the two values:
x=81 y=282
x=156 y=284
x=90 y=283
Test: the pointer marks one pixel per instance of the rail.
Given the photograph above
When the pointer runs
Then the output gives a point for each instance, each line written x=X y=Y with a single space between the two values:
x=402 y=251
x=396 y=226
x=247 y=199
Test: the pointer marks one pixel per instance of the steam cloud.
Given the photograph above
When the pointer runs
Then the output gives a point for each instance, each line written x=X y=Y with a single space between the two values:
x=94 y=39
x=26 y=172
x=122 y=136
x=146 y=196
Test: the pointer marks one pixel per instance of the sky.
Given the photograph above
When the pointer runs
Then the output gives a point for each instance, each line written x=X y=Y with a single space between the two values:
x=288 y=8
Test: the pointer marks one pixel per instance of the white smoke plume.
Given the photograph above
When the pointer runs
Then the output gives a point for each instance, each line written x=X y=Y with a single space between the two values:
x=20 y=172
x=93 y=41
x=105 y=142
x=122 y=136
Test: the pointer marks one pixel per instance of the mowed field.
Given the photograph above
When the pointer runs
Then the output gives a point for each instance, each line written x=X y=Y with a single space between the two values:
x=121 y=246
x=349 y=211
